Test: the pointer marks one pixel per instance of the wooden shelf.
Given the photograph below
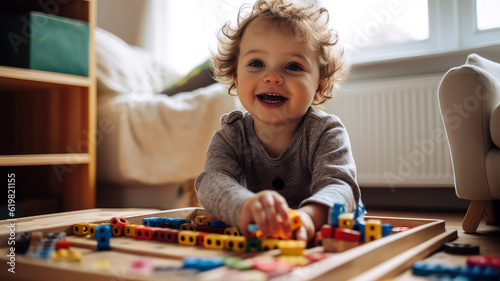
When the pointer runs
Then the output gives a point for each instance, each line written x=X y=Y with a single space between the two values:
x=15 y=77
x=44 y=159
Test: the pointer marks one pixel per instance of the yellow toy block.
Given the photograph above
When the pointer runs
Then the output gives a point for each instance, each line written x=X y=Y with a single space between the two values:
x=346 y=220
x=373 y=230
x=117 y=231
x=236 y=243
x=81 y=228
x=129 y=229
x=269 y=244
x=295 y=260
x=215 y=241
x=200 y=220
x=233 y=231
x=188 y=226
x=92 y=227
x=65 y=254
x=188 y=237
x=295 y=221
x=292 y=247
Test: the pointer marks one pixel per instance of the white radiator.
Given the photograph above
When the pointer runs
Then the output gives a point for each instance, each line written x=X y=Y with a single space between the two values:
x=396 y=132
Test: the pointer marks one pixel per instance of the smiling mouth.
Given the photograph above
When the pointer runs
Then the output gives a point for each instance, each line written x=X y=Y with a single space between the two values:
x=271 y=98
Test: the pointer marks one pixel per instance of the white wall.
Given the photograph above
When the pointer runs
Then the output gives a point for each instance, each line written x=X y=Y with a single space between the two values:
x=124 y=18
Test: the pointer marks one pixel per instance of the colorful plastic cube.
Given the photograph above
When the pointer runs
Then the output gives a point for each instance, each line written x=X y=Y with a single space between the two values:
x=346 y=220
x=373 y=230
x=103 y=235
x=187 y=237
x=337 y=210
x=202 y=263
x=235 y=243
x=292 y=247
x=129 y=229
x=144 y=233
x=81 y=228
x=269 y=244
x=253 y=245
x=188 y=226
x=215 y=241
x=232 y=231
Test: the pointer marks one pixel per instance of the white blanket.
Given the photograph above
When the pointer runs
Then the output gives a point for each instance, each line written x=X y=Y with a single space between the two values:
x=146 y=137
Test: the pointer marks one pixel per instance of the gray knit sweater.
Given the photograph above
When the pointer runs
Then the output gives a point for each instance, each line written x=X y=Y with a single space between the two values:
x=317 y=166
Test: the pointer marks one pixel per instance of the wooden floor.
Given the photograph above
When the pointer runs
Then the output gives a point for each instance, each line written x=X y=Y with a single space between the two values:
x=486 y=236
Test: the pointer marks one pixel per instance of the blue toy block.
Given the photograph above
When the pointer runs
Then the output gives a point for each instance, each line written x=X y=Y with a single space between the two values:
x=252 y=227
x=103 y=235
x=337 y=210
x=360 y=212
x=386 y=229
x=216 y=223
x=360 y=227
x=422 y=268
x=150 y=221
x=202 y=263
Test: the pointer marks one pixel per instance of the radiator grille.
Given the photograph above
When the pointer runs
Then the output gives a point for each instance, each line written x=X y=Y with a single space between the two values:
x=396 y=132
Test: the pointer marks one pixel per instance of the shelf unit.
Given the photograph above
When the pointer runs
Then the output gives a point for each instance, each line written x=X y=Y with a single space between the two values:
x=47 y=124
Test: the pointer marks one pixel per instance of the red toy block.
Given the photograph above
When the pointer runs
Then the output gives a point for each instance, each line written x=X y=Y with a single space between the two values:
x=119 y=222
x=201 y=238
x=145 y=233
x=327 y=231
x=488 y=261
x=347 y=234
x=64 y=244
x=399 y=229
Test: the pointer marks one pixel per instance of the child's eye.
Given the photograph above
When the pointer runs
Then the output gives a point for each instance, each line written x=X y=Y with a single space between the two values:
x=294 y=66
x=256 y=63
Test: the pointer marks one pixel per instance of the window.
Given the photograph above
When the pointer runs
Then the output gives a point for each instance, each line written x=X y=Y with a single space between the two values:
x=387 y=29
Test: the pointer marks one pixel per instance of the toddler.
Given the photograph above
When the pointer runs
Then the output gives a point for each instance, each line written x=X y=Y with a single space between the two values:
x=280 y=60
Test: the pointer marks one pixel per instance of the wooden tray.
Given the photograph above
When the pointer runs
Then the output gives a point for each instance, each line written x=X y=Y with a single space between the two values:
x=376 y=260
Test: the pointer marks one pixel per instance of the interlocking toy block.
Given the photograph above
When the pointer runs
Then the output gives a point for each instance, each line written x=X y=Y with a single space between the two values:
x=422 y=268
x=81 y=228
x=166 y=235
x=216 y=223
x=360 y=212
x=386 y=229
x=292 y=247
x=347 y=235
x=103 y=237
x=201 y=238
x=346 y=220
x=489 y=261
x=399 y=229
x=252 y=227
x=253 y=245
x=373 y=230
x=63 y=244
x=461 y=249
x=142 y=266
x=202 y=263
x=235 y=243
x=215 y=241
x=65 y=254
x=118 y=225
x=360 y=227
x=144 y=233
x=269 y=244
x=153 y=222
x=327 y=231
x=232 y=231
x=272 y=267
x=237 y=263
x=187 y=237
x=318 y=239
x=337 y=210
x=177 y=222
x=203 y=220
x=129 y=229
x=188 y=226
x=22 y=242
x=295 y=221
x=92 y=227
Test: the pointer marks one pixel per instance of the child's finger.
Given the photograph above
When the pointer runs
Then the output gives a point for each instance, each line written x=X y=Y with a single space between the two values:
x=282 y=211
x=301 y=234
x=268 y=202
x=259 y=215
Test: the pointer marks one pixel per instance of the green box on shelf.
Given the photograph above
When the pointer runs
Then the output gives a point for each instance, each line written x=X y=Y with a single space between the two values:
x=46 y=42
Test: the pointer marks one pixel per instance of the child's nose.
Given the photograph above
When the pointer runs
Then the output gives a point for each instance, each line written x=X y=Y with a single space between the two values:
x=272 y=77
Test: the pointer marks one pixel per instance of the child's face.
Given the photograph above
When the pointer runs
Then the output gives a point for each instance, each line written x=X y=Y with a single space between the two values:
x=277 y=78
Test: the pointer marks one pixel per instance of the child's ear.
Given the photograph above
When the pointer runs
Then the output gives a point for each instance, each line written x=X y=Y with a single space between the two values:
x=235 y=79
x=319 y=90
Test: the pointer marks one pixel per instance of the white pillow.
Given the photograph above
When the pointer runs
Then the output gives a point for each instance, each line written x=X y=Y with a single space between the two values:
x=126 y=70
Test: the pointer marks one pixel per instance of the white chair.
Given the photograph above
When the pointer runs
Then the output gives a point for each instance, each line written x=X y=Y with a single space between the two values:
x=469 y=97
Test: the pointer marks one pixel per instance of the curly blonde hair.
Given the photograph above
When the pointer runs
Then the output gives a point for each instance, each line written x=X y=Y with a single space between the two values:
x=308 y=24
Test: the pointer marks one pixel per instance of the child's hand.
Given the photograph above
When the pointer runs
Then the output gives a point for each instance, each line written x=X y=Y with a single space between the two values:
x=307 y=231
x=267 y=209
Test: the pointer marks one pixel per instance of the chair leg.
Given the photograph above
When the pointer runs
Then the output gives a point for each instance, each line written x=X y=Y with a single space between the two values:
x=474 y=215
